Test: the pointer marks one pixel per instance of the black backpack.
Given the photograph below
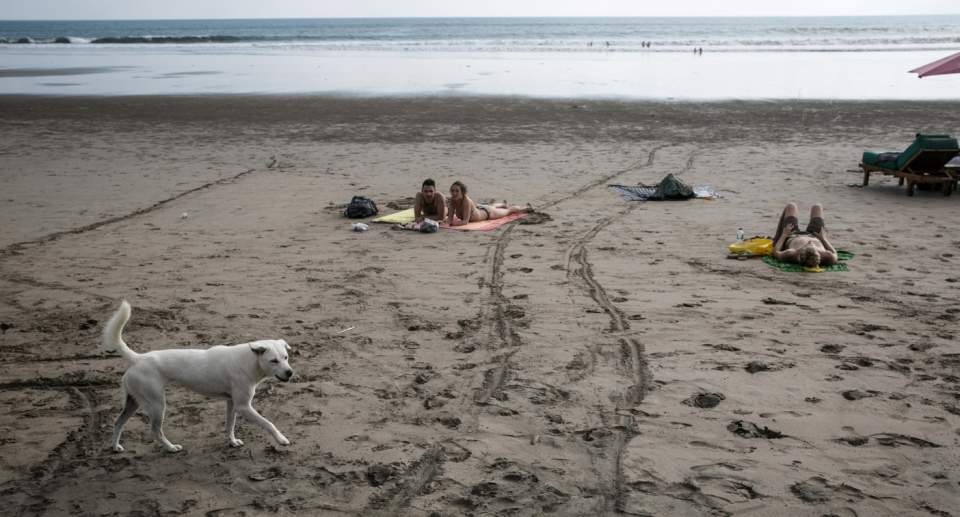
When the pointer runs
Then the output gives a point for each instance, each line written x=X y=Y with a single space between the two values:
x=361 y=207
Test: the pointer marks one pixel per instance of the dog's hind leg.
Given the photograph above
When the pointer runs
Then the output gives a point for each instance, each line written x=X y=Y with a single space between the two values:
x=155 y=405
x=231 y=422
x=130 y=407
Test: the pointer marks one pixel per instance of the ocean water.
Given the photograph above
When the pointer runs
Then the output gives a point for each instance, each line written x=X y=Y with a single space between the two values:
x=647 y=58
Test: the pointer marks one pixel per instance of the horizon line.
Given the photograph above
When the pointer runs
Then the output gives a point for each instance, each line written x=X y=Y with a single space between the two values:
x=473 y=17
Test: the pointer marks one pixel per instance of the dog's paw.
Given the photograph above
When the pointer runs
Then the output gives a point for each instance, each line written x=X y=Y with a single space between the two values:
x=174 y=448
x=236 y=443
x=118 y=448
x=282 y=440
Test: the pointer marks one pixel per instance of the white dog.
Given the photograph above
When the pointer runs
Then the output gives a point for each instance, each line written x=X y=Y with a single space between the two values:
x=224 y=372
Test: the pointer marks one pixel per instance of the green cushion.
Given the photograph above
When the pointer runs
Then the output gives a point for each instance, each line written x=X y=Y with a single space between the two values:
x=870 y=158
x=926 y=142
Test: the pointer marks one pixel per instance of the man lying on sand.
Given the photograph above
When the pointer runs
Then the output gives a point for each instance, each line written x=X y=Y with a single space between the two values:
x=463 y=207
x=808 y=248
x=429 y=204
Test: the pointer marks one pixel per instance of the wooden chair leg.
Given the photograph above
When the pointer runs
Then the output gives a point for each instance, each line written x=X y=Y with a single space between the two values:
x=910 y=185
x=866 y=178
x=901 y=182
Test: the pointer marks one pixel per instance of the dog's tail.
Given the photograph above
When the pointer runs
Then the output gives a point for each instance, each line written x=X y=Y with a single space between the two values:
x=111 y=333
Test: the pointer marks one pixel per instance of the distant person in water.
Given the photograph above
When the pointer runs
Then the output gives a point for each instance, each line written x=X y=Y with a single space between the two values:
x=808 y=248
x=463 y=207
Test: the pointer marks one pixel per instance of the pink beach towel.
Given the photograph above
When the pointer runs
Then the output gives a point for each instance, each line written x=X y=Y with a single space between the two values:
x=482 y=226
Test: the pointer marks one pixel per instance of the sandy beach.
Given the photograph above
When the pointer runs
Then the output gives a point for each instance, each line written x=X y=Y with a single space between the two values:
x=606 y=360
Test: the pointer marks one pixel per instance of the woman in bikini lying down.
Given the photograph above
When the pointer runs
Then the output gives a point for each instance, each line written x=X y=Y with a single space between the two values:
x=464 y=208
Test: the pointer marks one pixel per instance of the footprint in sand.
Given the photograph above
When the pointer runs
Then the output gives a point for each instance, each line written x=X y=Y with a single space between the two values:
x=857 y=394
x=745 y=429
x=735 y=448
x=781 y=413
x=705 y=400
x=818 y=490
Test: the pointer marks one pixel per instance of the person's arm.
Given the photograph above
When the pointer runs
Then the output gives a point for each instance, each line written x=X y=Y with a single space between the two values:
x=441 y=204
x=785 y=255
x=449 y=219
x=831 y=257
x=418 y=208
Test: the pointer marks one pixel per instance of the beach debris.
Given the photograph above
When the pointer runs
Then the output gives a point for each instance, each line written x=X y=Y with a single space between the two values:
x=359 y=227
x=346 y=329
x=88 y=324
x=756 y=366
x=183 y=215
x=831 y=349
x=745 y=429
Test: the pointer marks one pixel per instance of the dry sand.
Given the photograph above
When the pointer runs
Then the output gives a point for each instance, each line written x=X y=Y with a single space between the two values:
x=538 y=368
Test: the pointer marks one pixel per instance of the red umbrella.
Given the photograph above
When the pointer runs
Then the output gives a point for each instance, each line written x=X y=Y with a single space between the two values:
x=947 y=65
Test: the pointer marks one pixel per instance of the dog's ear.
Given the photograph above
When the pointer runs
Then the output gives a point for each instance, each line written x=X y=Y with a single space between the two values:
x=285 y=344
x=258 y=348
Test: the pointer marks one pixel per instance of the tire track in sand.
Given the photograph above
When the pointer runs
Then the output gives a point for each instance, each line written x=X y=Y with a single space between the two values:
x=15 y=248
x=619 y=425
x=493 y=378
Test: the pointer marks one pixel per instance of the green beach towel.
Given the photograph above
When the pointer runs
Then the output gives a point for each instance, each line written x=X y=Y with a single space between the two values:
x=795 y=268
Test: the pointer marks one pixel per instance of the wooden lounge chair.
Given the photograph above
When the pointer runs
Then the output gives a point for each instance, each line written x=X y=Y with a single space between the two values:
x=923 y=162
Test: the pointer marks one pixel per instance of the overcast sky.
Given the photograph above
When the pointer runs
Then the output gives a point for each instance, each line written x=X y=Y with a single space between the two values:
x=207 y=9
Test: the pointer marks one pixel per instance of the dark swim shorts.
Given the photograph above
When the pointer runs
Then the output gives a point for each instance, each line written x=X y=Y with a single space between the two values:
x=813 y=228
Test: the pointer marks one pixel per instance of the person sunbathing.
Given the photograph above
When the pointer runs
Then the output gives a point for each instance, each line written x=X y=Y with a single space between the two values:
x=808 y=248
x=463 y=207
x=428 y=204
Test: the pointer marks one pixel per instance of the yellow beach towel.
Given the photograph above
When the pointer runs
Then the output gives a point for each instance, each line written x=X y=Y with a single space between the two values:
x=402 y=217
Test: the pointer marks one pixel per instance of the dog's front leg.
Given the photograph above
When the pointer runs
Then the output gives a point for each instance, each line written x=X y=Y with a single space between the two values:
x=231 y=421
x=246 y=409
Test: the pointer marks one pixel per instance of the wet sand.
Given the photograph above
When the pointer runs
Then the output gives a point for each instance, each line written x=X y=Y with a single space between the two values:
x=608 y=360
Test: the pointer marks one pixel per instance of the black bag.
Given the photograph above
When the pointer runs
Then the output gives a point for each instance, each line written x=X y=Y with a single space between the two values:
x=361 y=207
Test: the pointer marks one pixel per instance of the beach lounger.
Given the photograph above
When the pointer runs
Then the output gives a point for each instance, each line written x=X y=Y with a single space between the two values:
x=923 y=162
